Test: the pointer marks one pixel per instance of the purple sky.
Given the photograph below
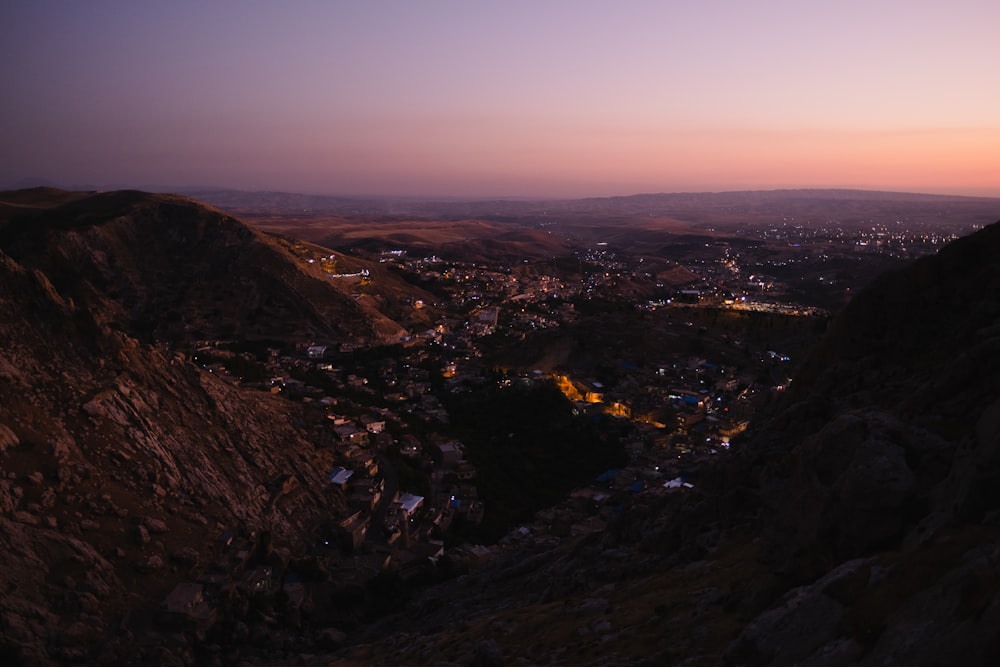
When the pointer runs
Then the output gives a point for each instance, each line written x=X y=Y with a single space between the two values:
x=467 y=98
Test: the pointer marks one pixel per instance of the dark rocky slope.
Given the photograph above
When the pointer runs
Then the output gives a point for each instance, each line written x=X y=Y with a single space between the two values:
x=123 y=463
x=162 y=266
x=880 y=476
x=122 y=469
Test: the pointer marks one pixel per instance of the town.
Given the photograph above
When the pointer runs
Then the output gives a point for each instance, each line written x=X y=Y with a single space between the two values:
x=419 y=483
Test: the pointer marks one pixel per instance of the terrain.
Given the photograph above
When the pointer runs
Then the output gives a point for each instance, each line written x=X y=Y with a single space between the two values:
x=854 y=522
x=125 y=463
x=857 y=524
x=171 y=269
x=807 y=238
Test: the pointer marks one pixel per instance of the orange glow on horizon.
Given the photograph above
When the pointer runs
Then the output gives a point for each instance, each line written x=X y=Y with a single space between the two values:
x=506 y=99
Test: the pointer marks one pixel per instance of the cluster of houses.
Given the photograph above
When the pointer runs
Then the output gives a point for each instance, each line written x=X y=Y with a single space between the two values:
x=691 y=404
x=380 y=414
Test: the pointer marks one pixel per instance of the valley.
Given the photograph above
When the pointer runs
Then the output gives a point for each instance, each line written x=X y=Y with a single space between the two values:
x=282 y=436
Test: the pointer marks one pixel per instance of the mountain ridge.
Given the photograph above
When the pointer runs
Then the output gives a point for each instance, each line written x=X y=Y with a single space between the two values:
x=118 y=253
x=296 y=203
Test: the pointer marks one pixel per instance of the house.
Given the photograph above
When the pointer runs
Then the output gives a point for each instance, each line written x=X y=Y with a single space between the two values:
x=361 y=459
x=383 y=440
x=365 y=493
x=316 y=351
x=732 y=428
x=690 y=419
x=727 y=384
x=685 y=398
x=623 y=479
x=350 y=433
x=489 y=316
x=409 y=503
x=373 y=424
x=588 y=526
x=592 y=391
x=416 y=389
x=450 y=453
x=293 y=386
x=352 y=531
x=339 y=476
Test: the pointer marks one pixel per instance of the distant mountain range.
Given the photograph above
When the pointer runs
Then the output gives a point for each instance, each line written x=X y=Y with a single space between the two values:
x=849 y=206
x=852 y=203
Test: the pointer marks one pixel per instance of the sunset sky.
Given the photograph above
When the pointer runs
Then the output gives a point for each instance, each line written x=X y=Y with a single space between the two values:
x=491 y=99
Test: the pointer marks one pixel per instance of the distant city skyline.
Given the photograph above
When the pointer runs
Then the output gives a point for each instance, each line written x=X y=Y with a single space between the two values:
x=518 y=99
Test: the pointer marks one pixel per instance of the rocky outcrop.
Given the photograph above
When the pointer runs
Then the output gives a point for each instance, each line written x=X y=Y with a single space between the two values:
x=847 y=490
x=122 y=467
x=885 y=460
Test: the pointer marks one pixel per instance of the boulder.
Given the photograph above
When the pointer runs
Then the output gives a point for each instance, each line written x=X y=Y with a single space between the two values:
x=155 y=525
x=94 y=409
x=8 y=438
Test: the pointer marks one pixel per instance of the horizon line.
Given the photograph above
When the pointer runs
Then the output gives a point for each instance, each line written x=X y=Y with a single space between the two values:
x=454 y=198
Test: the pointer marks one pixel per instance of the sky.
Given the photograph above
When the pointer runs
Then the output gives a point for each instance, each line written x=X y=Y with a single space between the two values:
x=475 y=98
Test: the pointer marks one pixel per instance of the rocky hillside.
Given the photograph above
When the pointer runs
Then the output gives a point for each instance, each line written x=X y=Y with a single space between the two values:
x=166 y=267
x=123 y=469
x=880 y=476
x=126 y=467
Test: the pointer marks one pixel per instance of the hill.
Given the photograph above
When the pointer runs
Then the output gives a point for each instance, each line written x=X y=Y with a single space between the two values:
x=879 y=472
x=124 y=467
x=166 y=267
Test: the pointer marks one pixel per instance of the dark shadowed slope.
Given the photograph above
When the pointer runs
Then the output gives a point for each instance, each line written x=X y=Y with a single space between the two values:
x=880 y=476
x=168 y=267
x=124 y=463
x=122 y=469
